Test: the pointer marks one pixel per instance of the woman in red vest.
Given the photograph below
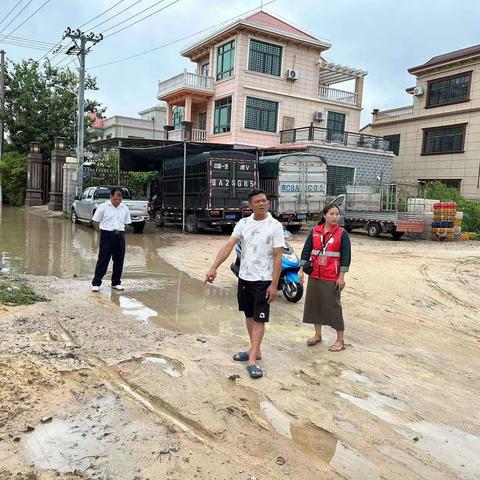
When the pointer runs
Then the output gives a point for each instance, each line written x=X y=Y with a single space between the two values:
x=328 y=248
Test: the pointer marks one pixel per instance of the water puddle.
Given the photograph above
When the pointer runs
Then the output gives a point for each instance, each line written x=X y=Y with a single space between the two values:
x=279 y=420
x=168 y=366
x=347 y=426
x=133 y=307
x=376 y=405
x=458 y=450
x=356 y=377
x=62 y=446
x=353 y=464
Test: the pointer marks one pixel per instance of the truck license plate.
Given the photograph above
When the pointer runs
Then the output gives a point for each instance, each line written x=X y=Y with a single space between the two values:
x=301 y=216
x=230 y=216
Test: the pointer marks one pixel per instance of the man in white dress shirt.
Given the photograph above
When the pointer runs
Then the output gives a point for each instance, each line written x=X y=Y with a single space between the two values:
x=110 y=218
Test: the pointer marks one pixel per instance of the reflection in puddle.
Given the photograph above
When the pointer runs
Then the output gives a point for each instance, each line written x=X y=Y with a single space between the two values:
x=61 y=446
x=174 y=369
x=455 y=448
x=356 y=377
x=130 y=306
x=375 y=404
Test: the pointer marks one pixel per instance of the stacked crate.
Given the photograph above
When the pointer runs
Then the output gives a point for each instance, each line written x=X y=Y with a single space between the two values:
x=443 y=224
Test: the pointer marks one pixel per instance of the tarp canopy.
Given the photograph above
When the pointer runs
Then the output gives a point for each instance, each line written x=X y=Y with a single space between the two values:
x=151 y=158
x=268 y=166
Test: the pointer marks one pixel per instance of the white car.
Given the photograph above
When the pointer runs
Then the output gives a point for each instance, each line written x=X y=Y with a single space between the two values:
x=84 y=207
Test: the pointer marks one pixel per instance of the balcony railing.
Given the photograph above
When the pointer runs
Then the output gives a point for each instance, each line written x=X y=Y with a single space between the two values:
x=394 y=112
x=185 y=80
x=325 y=135
x=334 y=95
x=197 y=135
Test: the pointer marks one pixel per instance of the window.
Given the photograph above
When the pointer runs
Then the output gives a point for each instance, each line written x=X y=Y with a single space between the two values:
x=261 y=114
x=202 y=121
x=225 y=60
x=336 y=127
x=223 y=115
x=448 y=139
x=449 y=90
x=265 y=58
x=205 y=69
x=177 y=117
x=393 y=143
x=288 y=123
x=338 y=178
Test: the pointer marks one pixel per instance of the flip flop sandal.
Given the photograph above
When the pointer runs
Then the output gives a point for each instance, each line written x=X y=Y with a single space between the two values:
x=336 y=347
x=243 y=357
x=254 y=371
x=311 y=342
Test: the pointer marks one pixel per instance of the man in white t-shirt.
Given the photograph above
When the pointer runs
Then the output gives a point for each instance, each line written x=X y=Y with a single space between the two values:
x=261 y=238
x=110 y=218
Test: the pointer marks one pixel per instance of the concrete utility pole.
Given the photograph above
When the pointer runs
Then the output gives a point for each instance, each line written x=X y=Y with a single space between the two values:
x=2 y=107
x=80 y=40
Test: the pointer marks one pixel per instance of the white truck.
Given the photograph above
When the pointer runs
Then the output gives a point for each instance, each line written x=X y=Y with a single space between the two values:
x=84 y=206
x=379 y=210
x=296 y=185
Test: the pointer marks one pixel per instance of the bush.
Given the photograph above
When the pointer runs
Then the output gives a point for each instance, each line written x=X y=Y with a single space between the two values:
x=13 y=170
x=471 y=210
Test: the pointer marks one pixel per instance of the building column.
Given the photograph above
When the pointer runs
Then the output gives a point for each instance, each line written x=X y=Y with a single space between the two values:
x=34 y=191
x=59 y=155
x=169 y=119
x=188 y=109
x=359 y=90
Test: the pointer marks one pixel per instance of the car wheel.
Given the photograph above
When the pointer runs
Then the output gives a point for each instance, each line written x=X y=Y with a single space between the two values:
x=74 y=217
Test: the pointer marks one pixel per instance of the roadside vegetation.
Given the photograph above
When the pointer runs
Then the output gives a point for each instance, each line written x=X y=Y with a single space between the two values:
x=15 y=290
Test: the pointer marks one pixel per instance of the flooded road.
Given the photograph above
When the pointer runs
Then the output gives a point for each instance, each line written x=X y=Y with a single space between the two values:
x=34 y=244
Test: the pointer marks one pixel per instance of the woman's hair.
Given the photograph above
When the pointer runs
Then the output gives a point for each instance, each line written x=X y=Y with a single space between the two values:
x=325 y=210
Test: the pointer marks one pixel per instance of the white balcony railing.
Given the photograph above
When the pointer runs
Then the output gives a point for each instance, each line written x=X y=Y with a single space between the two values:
x=197 y=135
x=334 y=95
x=185 y=80
x=394 y=112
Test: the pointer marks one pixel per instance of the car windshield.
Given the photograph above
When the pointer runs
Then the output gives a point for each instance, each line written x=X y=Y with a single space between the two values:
x=104 y=192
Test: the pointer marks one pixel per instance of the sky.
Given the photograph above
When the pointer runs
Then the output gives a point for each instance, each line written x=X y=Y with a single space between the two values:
x=384 y=37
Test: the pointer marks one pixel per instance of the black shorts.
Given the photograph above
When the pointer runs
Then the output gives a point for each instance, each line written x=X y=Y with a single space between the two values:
x=252 y=299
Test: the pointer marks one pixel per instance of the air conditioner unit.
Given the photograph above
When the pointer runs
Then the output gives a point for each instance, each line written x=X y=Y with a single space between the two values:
x=292 y=75
x=318 y=117
x=417 y=91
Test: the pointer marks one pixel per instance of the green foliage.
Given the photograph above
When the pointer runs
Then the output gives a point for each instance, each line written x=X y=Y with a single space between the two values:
x=37 y=110
x=471 y=210
x=16 y=291
x=13 y=172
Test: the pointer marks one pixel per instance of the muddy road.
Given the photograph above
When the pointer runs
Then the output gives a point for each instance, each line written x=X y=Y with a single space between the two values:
x=141 y=384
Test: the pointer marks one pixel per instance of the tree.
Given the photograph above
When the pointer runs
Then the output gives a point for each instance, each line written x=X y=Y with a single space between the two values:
x=13 y=171
x=37 y=110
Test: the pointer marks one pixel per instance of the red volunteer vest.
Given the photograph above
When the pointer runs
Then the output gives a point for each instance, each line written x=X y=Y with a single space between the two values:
x=326 y=253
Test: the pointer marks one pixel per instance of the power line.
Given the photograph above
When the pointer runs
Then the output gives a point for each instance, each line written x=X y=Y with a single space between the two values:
x=26 y=40
x=8 y=14
x=26 y=45
x=28 y=18
x=16 y=16
x=116 y=15
x=101 y=14
x=142 y=19
x=181 y=39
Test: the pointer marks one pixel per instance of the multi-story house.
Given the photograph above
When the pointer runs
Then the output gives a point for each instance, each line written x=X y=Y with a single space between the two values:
x=438 y=136
x=262 y=82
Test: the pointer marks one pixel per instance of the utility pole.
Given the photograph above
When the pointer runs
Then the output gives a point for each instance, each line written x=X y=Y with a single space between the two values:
x=2 y=108
x=80 y=40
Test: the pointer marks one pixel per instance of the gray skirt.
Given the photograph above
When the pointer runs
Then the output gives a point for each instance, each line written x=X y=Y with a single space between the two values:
x=322 y=304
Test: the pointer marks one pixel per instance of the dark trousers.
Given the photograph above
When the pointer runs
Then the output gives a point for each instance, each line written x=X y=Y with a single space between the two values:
x=112 y=246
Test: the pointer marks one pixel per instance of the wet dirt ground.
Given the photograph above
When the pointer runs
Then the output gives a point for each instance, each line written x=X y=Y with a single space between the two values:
x=141 y=384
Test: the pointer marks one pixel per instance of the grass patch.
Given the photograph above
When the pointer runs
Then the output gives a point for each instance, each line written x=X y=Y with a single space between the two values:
x=15 y=291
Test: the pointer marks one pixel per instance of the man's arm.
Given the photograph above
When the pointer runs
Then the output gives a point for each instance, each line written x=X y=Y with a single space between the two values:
x=222 y=255
x=277 y=269
x=97 y=217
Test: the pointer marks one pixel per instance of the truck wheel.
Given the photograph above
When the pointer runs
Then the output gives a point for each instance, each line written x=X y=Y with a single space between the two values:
x=159 y=220
x=191 y=224
x=293 y=292
x=226 y=229
x=349 y=229
x=294 y=228
x=74 y=217
x=397 y=235
x=138 y=227
x=374 y=230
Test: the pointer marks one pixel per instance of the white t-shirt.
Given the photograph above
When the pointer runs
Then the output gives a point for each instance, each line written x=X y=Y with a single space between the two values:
x=258 y=238
x=112 y=218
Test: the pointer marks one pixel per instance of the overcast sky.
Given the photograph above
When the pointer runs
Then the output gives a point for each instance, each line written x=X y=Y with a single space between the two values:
x=384 y=37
